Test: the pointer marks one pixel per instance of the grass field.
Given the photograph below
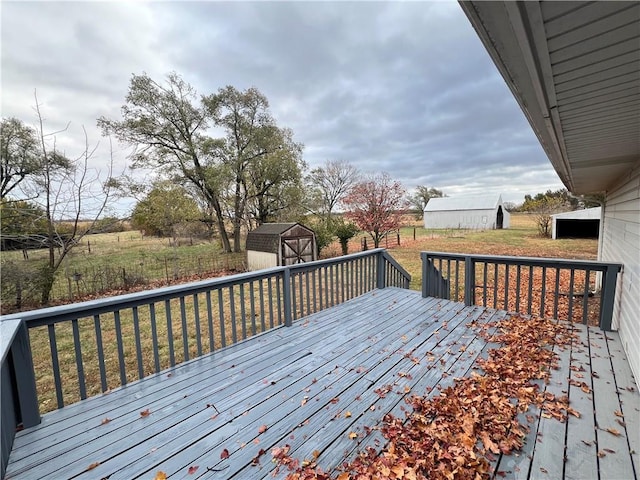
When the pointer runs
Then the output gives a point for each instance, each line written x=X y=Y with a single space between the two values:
x=104 y=263
x=520 y=240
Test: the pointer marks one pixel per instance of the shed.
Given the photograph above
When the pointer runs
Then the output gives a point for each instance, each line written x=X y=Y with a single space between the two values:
x=275 y=244
x=478 y=212
x=576 y=224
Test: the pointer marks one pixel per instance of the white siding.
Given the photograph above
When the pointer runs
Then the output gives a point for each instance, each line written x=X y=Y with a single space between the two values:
x=259 y=260
x=621 y=243
x=466 y=219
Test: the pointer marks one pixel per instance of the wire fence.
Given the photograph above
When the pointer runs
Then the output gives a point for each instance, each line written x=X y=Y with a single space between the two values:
x=21 y=284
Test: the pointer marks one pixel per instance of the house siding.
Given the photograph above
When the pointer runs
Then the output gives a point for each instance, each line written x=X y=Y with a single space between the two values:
x=621 y=243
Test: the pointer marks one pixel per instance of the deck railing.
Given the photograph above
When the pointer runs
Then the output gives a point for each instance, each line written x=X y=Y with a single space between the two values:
x=71 y=352
x=575 y=290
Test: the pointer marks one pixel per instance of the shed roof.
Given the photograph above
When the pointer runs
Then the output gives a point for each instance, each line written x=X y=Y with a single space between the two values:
x=272 y=228
x=476 y=202
x=586 y=214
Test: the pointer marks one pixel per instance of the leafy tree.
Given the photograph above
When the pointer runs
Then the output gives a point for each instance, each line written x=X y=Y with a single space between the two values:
x=252 y=140
x=328 y=185
x=345 y=231
x=275 y=187
x=422 y=195
x=167 y=126
x=165 y=206
x=21 y=217
x=20 y=156
x=376 y=205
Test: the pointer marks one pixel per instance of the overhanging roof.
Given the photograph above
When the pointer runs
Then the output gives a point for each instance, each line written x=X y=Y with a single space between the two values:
x=574 y=68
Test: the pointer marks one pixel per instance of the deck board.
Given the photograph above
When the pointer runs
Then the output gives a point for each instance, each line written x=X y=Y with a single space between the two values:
x=300 y=381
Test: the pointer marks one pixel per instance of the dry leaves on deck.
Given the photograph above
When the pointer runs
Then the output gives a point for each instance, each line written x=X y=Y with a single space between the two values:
x=454 y=434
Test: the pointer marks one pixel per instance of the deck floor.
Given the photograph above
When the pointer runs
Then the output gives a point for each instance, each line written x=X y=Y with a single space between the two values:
x=300 y=381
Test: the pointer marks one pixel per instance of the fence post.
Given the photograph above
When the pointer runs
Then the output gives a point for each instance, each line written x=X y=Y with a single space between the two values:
x=381 y=271
x=25 y=377
x=607 y=296
x=469 y=281
x=286 y=296
x=425 y=278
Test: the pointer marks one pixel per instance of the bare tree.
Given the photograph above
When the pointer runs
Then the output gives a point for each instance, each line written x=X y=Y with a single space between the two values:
x=68 y=189
x=329 y=185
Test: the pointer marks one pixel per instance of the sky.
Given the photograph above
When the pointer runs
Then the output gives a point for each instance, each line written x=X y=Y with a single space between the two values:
x=399 y=87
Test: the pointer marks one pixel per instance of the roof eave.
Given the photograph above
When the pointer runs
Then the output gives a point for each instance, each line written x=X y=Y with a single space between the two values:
x=532 y=86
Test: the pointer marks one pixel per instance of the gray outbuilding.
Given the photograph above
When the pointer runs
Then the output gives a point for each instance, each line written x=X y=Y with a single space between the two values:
x=279 y=244
x=478 y=212
x=576 y=224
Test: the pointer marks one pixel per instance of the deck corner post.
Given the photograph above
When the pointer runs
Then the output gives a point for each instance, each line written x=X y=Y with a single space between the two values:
x=425 y=278
x=381 y=270
x=286 y=297
x=469 y=281
x=25 y=378
x=608 y=294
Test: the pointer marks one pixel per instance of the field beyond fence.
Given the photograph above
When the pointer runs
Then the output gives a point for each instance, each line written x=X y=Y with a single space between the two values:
x=113 y=263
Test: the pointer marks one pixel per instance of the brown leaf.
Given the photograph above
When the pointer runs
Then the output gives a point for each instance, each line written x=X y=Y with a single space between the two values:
x=353 y=435
x=145 y=413
x=262 y=429
x=601 y=454
x=105 y=421
x=618 y=413
x=613 y=431
x=192 y=469
x=160 y=476
x=608 y=450
x=92 y=466
x=224 y=454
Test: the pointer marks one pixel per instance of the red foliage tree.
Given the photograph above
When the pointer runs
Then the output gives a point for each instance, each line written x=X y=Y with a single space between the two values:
x=376 y=205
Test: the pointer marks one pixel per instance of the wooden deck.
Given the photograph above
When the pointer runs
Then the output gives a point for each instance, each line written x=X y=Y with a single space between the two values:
x=300 y=381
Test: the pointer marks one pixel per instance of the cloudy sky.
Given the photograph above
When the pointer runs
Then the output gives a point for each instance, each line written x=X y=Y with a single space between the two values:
x=401 y=87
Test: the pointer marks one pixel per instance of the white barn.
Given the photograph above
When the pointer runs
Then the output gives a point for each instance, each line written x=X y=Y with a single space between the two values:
x=479 y=212
x=573 y=68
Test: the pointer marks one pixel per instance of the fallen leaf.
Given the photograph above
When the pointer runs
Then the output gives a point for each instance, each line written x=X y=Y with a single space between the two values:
x=145 y=413
x=613 y=431
x=224 y=454
x=601 y=454
x=608 y=450
x=618 y=413
x=353 y=435
x=262 y=429
x=347 y=414
x=304 y=401
x=192 y=469
x=343 y=476
x=105 y=421
x=160 y=476
x=92 y=466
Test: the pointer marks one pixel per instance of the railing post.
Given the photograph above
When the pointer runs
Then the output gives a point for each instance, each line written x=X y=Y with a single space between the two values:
x=286 y=297
x=381 y=271
x=25 y=377
x=607 y=296
x=469 y=281
x=425 y=277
